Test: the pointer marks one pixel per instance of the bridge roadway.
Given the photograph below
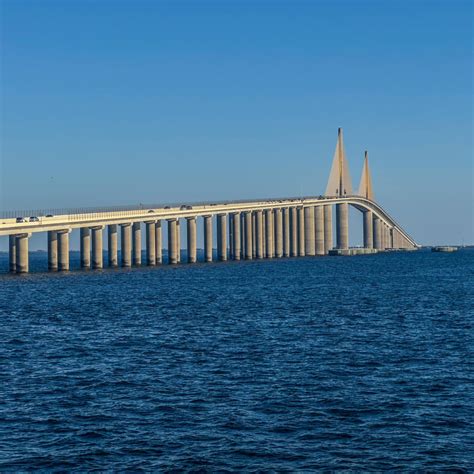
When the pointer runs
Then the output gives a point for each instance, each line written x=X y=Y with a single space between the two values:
x=273 y=228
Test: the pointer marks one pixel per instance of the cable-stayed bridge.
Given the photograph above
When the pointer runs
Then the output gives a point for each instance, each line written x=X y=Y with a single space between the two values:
x=245 y=230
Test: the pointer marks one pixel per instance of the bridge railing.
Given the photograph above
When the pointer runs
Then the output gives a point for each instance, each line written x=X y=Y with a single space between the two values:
x=9 y=214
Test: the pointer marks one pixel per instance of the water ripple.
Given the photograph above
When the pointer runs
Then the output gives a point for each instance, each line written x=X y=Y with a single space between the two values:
x=357 y=364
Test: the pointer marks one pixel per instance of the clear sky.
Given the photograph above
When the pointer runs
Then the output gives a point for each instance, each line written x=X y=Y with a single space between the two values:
x=121 y=102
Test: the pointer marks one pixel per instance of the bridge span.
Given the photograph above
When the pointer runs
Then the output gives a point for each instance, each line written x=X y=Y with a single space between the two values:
x=246 y=230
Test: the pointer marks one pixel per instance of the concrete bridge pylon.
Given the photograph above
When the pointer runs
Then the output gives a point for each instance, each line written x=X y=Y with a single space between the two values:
x=365 y=187
x=339 y=183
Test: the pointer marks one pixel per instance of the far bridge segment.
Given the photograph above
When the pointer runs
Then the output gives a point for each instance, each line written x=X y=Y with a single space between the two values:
x=246 y=230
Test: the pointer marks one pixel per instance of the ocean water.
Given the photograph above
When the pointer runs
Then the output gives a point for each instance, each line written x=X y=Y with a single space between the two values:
x=360 y=363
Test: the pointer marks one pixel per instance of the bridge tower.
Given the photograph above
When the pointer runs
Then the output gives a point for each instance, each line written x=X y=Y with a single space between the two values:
x=365 y=186
x=339 y=185
x=366 y=190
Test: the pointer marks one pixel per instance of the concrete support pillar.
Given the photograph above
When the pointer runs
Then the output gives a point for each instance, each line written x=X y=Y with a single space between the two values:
x=178 y=241
x=286 y=232
x=390 y=237
x=309 y=237
x=22 y=263
x=158 y=243
x=387 y=236
x=236 y=243
x=137 y=243
x=269 y=234
x=248 y=236
x=342 y=225
x=191 y=231
x=85 y=247
x=328 y=240
x=97 y=248
x=63 y=250
x=126 y=244
x=254 y=235
x=301 y=249
x=264 y=228
x=112 y=245
x=230 y=225
x=172 y=242
x=278 y=224
x=12 y=252
x=258 y=234
x=368 y=218
x=150 y=243
x=221 y=238
x=293 y=232
x=319 y=230
x=377 y=233
x=52 y=251
x=394 y=238
x=207 y=238
x=242 y=236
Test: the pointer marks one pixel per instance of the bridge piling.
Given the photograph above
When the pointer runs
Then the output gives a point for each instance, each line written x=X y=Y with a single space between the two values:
x=248 y=235
x=236 y=236
x=377 y=228
x=293 y=232
x=368 y=229
x=63 y=250
x=158 y=243
x=309 y=237
x=319 y=230
x=328 y=238
x=85 y=247
x=112 y=248
x=278 y=223
x=178 y=240
x=126 y=244
x=259 y=234
x=342 y=226
x=136 y=244
x=191 y=240
x=52 y=251
x=286 y=232
x=22 y=263
x=301 y=240
x=221 y=237
x=207 y=238
x=12 y=252
x=97 y=248
x=150 y=243
x=172 y=242
x=269 y=233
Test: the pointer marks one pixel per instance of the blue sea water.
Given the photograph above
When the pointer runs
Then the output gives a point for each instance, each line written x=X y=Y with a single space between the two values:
x=361 y=363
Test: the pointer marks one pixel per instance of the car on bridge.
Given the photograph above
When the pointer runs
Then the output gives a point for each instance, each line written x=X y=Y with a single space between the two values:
x=21 y=219
x=34 y=219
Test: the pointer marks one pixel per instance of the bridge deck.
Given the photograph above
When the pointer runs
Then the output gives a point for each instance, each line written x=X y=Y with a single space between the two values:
x=77 y=218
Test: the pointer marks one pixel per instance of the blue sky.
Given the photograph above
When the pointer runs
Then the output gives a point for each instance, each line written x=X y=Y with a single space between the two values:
x=121 y=102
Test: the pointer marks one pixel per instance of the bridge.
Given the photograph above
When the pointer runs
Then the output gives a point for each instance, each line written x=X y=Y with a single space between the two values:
x=246 y=230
